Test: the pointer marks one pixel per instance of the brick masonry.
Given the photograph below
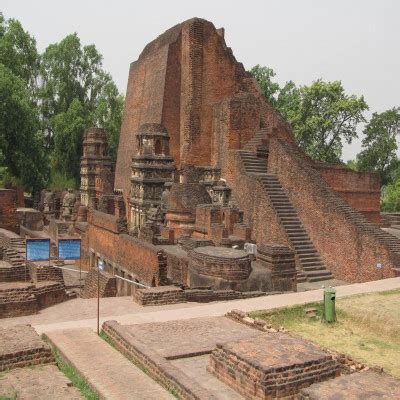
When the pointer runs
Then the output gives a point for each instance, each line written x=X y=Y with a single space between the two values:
x=351 y=248
x=8 y=210
x=160 y=295
x=107 y=285
x=272 y=365
x=163 y=295
x=20 y=346
x=102 y=236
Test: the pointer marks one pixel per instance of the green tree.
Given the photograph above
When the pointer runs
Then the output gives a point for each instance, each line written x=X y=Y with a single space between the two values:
x=21 y=143
x=18 y=51
x=108 y=114
x=326 y=118
x=380 y=144
x=322 y=115
x=68 y=128
x=74 y=85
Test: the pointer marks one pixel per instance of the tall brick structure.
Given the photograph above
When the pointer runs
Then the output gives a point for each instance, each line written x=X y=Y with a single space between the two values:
x=241 y=176
x=97 y=168
x=152 y=167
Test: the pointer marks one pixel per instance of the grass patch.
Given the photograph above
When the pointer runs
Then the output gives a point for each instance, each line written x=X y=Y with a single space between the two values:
x=366 y=329
x=12 y=397
x=137 y=364
x=72 y=374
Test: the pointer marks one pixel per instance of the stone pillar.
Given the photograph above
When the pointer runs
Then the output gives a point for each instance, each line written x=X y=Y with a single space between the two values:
x=279 y=259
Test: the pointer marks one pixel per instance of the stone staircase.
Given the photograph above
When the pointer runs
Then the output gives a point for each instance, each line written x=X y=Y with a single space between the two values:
x=311 y=265
x=255 y=144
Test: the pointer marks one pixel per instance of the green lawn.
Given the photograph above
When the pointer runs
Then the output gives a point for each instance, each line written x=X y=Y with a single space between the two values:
x=367 y=327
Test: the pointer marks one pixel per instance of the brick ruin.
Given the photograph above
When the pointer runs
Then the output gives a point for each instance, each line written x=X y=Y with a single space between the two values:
x=25 y=287
x=204 y=160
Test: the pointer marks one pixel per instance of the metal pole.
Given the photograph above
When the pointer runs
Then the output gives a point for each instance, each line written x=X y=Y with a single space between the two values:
x=98 y=300
x=80 y=269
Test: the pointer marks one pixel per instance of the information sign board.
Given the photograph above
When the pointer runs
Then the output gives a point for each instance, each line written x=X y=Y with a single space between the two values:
x=69 y=249
x=37 y=249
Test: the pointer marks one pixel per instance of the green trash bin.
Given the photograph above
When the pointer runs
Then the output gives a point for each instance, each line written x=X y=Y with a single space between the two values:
x=329 y=304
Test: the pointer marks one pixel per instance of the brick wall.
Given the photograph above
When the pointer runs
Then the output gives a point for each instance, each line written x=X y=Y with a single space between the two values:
x=8 y=210
x=107 y=285
x=349 y=246
x=141 y=259
x=362 y=191
x=258 y=213
x=157 y=367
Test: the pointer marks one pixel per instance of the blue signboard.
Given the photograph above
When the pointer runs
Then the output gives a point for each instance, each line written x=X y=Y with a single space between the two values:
x=37 y=249
x=69 y=249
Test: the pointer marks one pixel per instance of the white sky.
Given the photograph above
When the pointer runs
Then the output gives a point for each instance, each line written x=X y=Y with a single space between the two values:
x=355 y=41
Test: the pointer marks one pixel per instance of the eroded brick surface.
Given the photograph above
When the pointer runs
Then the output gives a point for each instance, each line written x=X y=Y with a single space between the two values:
x=21 y=346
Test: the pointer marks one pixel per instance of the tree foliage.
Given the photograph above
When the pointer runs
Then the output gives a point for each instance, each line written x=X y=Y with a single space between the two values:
x=18 y=51
x=322 y=115
x=325 y=118
x=21 y=144
x=71 y=72
x=47 y=102
x=380 y=144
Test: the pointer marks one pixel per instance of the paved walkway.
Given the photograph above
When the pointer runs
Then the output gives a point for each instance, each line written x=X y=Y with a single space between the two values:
x=81 y=313
x=109 y=373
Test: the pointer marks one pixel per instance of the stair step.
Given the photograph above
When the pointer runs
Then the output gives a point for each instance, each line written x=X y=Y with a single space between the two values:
x=319 y=278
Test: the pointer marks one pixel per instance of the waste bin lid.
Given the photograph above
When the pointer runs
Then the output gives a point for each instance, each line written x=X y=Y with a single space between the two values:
x=329 y=290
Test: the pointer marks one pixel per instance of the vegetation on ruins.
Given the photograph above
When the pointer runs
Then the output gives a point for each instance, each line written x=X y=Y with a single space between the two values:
x=324 y=117
x=47 y=100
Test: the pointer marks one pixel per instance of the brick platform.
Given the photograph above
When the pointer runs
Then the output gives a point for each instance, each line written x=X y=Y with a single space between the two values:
x=271 y=365
x=17 y=299
x=20 y=346
x=26 y=298
x=369 y=385
x=159 y=295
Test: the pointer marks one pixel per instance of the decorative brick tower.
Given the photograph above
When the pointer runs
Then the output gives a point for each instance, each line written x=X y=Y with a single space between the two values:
x=96 y=166
x=151 y=168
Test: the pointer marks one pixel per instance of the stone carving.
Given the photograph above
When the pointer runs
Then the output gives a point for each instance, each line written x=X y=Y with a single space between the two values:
x=68 y=205
x=48 y=202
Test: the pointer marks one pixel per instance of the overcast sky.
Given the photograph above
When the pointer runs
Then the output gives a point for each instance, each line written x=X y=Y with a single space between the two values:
x=355 y=41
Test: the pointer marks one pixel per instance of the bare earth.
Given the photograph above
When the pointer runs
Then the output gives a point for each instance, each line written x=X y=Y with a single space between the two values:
x=38 y=383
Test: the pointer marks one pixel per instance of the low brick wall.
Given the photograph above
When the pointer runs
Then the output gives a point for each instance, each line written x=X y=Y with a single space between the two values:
x=9 y=273
x=162 y=295
x=17 y=301
x=107 y=285
x=154 y=365
x=49 y=293
x=20 y=346
x=159 y=295
x=207 y=295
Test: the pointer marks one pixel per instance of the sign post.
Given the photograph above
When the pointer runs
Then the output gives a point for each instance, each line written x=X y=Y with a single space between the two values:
x=37 y=250
x=100 y=267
